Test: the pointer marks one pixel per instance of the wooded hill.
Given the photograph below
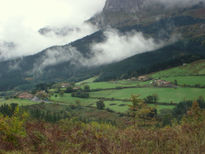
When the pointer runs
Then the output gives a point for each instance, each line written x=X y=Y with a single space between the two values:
x=188 y=49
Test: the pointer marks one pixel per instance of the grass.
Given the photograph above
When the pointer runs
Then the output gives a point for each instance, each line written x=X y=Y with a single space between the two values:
x=20 y=102
x=192 y=69
x=116 y=106
x=87 y=80
x=115 y=84
x=187 y=80
x=68 y=99
x=165 y=94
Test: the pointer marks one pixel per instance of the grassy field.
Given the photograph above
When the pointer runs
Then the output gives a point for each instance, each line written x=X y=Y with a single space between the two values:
x=188 y=74
x=193 y=69
x=123 y=107
x=116 y=106
x=165 y=94
x=87 y=80
x=68 y=99
x=20 y=102
x=187 y=80
x=115 y=84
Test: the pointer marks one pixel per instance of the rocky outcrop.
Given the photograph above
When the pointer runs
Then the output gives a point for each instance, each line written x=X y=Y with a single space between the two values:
x=123 y=5
x=119 y=13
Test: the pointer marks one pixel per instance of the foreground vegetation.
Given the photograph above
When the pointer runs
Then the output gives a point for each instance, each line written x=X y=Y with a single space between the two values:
x=142 y=133
x=105 y=117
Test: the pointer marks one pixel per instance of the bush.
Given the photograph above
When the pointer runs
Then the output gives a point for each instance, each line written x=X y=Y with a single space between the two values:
x=80 y=94
x=109 y=110
x=112 y=104
x=69 y=89
x=151 y=99
x=100 y=105
x=87 y=88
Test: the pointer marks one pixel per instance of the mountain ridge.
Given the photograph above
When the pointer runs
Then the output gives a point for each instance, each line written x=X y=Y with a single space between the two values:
x=191 y=47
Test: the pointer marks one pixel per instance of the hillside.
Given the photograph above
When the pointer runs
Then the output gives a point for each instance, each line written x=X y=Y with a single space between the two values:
x=66 y=62
x=167 y=57
x=118 y=13
x=196 y=68
x=185 y=51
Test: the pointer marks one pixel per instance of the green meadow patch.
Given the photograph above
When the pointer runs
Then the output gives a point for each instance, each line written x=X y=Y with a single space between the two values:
x=20 y=102
x=68 y=99
x=187 y=80
x=192 y=69
x=165 y=94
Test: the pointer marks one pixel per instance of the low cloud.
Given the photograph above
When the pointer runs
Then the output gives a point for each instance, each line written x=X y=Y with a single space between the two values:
x=116 y=47
x=57 y=56
x=20 y=22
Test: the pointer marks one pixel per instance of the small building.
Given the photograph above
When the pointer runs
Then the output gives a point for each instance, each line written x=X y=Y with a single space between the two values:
x=143 y=78
x=162 y=83
x=76 y=88
x=65 y=85
x=133 y=78
x=25 y=95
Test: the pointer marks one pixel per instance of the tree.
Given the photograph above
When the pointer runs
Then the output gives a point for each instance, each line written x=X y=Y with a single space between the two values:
x=80 y=94
x=87 y=88
x=142 y=114
x=195 y=115
x=42 y=95
x=151 y=99
x=175 y=82
x=69 y=89
x=61 y=93
x=100 y=104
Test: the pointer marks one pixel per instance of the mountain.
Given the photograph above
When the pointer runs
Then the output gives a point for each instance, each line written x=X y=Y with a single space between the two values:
x=119 y=13
x=121 y=5
x=68 y=62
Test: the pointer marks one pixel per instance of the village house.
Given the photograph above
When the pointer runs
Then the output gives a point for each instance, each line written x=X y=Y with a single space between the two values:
x=25 y=95
x=143 y=78
x=76 y=88
x=162 y=83
x=65 y=85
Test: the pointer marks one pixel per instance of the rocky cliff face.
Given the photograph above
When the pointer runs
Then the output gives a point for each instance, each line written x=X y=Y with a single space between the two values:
x=123 y=5
x=119 y=13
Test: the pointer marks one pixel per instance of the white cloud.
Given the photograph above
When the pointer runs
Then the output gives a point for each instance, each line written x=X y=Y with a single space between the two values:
x=20 y=21
x=116 y=47
x=56 y=56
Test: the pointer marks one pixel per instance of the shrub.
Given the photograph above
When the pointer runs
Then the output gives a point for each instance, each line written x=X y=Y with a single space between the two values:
x=80 y=94
x=100 y=104
x=87 y=88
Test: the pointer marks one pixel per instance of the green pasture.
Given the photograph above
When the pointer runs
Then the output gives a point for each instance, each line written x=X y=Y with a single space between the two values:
x=68 y=99
x=20 y=102
x=116 y=106
x=87 y=80
x=165 y=94
x=187 y=80
x=115 y=84
x=192 y=69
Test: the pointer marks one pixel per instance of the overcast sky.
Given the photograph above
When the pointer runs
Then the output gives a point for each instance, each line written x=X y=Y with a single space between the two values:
x=20 y=21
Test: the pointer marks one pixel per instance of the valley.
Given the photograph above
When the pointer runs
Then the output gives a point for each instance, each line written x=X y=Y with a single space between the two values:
x=132 y=80
x=187 y=83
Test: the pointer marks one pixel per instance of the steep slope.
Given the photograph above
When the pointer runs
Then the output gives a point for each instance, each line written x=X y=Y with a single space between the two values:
x=57 y=63
x=170 y=56
x=196 y=68
x=119 y=13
